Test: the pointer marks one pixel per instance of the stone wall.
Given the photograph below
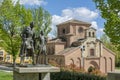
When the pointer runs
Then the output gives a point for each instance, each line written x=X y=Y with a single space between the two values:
x=113 y=75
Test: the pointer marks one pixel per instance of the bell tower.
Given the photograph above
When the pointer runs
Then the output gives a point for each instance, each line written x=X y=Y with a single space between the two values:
x=91 y=33
x=72 y=30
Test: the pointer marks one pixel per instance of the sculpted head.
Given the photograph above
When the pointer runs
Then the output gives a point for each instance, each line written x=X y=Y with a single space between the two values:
x=32 y=24
x=41 y=33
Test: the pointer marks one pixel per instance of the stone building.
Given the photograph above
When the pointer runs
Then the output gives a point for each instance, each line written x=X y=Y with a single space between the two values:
x=76 y=43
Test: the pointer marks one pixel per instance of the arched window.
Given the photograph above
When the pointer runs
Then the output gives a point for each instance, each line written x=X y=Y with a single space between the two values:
x=80 y=29
x=93 y=34
x=63 y=31
x=89 y=34
x=60 y=62
x=53 y=50
x=92 y=52
x=1 y=53
x=48 y=60
x=110 y=64
x=50 y=50
x=79 y=62
x=72 y=63
x=47 y=49
x=105 y=63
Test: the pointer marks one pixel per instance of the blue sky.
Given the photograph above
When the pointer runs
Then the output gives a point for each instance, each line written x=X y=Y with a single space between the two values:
x=63 y=10
x=56 y=6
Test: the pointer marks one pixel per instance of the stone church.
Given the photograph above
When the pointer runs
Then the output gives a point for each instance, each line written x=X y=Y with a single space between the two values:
x=76 y=43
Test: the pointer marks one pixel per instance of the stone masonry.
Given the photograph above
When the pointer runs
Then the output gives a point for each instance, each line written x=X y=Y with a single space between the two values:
x=76 y=44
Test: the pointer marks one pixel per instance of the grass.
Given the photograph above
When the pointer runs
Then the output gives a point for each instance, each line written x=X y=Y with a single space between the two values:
x=118 y=68
x=6 y=75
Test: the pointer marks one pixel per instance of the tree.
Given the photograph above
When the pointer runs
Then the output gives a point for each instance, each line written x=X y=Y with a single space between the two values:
x=106 y=41
x=12 y=19
x=110 y=11
x=42 y=20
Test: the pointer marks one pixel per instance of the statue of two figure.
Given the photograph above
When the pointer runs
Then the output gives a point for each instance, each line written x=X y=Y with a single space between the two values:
x=31 y=42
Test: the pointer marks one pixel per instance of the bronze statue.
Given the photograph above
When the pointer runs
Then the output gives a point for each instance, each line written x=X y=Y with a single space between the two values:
x=42 y=47
x=32 y=44
x=27 y=46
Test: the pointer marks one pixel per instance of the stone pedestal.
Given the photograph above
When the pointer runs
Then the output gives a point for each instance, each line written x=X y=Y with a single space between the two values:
x=113 y=75
x=34 y=73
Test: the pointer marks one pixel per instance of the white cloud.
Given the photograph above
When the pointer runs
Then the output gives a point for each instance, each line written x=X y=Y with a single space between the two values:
x=31 y=2
x=99 y=30
x=81 y=13
x=94 y=24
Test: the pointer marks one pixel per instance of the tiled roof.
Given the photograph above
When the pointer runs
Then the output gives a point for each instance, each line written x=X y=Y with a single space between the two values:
x=67 y=51
x=75 y=21
x=55 y=40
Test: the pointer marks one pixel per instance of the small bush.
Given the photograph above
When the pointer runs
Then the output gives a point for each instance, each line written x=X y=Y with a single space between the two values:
x=72 y=72
x=91 y=69
x=67 y=75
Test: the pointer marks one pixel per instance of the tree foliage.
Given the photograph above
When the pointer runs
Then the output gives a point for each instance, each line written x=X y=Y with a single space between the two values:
x=12 y=18
x=42 y=20
x=106 y=41
x=110 y=11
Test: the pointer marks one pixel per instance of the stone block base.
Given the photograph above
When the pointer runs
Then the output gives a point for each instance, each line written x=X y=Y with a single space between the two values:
x=33 y=73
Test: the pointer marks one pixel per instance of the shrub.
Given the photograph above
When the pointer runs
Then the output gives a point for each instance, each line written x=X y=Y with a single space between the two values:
x=72 y=72
x=67 y=75
x=91 y=69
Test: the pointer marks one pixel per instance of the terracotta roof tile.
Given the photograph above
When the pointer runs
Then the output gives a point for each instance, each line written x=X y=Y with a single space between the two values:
x=74 y=21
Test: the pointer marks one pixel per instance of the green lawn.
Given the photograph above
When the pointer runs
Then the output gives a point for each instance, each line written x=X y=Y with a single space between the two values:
x=6 y=75
x=118 y=68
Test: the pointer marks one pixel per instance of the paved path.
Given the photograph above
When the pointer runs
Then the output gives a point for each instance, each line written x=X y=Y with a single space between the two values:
x=6 y=68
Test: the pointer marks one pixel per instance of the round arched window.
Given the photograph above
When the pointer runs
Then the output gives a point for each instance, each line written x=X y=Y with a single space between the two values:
x=93 y=34
x=80 y=29
x=63 y=31
x=92 y=52
x=89 y=34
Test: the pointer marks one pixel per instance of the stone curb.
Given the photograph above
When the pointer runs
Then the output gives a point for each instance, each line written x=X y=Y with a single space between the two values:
x=6 y=68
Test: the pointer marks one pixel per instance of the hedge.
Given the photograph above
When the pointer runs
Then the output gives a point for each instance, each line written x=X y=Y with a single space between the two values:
x=67 y=75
